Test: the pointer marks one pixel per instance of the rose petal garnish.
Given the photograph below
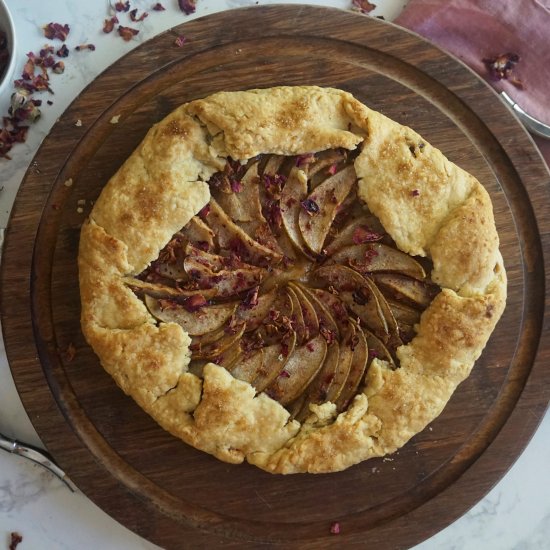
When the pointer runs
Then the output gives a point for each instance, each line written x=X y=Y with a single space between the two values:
x=135 y=18
x=109 y=24
x=415 y=192
x=59 y=67
x=180 y=41
x=187 y=6
x=159 y=7
x=63 y=51
x=194 y=303
x=127 y=33
x=302 y=160
x=363 y=6
x=82 y=47
x=57 y=31
x=362 y=234
x=122 y=6
x=501 y=67
x=236 y=185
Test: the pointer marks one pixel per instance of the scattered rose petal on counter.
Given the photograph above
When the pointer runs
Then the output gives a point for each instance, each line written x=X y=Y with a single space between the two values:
x=122 y=6
x=363 y=6
x=57 y=31
x=159 y=7
x=127 y=33
x=82 y=47
x=63 y=51
x=180 y=41
x=135 y=18
x=187 y=6
x=109 y=24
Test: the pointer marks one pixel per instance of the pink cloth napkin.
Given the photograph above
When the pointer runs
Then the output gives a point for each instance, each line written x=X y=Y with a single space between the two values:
x=474 y=30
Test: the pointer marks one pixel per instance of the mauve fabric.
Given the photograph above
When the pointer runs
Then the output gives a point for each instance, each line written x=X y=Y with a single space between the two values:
x=474 y=30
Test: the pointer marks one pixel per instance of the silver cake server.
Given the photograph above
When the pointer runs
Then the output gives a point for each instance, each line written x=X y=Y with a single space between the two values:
x=531 y=123
x=36 y=455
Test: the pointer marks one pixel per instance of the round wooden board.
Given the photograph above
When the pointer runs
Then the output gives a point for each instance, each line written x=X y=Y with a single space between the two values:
x=169 y=492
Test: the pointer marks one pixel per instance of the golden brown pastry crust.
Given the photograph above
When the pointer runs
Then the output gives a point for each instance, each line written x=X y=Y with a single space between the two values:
x=427 y=204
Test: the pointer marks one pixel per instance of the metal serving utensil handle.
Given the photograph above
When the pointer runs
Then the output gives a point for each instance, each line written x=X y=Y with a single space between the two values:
x=36 y=455
x=531 y=123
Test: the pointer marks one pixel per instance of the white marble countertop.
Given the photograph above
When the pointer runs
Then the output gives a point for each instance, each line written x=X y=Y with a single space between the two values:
x=514 y=515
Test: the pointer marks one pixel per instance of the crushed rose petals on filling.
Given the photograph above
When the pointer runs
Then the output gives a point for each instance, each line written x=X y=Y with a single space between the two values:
x=359 y=293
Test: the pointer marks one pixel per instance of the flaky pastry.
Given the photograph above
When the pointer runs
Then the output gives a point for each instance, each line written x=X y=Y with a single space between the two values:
x=427 y=206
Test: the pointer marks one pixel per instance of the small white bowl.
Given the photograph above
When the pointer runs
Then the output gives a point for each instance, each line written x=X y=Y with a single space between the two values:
x=6 y=24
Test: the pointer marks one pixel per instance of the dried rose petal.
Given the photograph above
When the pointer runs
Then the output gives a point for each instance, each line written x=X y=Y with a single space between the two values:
x=59 y=67
x=81 y=47
x=302 y=160
x=122 y=6
x=127 y=33
x=109 y=24
x=135 y=18
x=187 y=6
x=251 y=298
x=362 y=234
x=159 y=7
x=236 y=185
x=15 y=539
x=194 y=303
x=274 y=184
x=284 y=373
x=310 y=206
x=46 y=50
x=63 y=51
x=502 y=66
x=204 y=211
x=180 y=41
x=415 y=193
x=57 y=31
x=364 y=6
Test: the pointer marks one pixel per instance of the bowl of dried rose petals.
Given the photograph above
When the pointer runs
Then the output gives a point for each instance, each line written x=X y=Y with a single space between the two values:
x=7 y=48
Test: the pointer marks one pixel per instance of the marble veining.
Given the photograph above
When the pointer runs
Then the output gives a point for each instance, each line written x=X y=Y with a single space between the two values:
x=515 y=515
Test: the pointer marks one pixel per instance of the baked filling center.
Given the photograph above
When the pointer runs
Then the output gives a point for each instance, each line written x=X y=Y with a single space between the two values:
x=288 y=281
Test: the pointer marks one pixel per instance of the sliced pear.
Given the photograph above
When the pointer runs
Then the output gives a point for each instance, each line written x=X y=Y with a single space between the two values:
x=401 y=288
x=226 y=282
x=244 y=205
x=378 y=257
x=275 y=360
x=197 y=342
x=254 y=315
x=229 y=358
x=325 y=159
x=302 y=331
x=273 y=165
x=337 y=309
x=309 y=315
x=394 y=341
x=174 y=271
x=344 y=365
x=300 y=369
x=327 y=197
x=324 y=316
x=317 y=391
x=358 y=295
x=231 y=237
x=278 y=321
x=248 y=367
x=403 y=313
x=344 y=237
x=164 y=292
x=216 y=348
x=198 y=233
x=210 y=318
x=377 y=349
x=293 y=193
x=357 y=369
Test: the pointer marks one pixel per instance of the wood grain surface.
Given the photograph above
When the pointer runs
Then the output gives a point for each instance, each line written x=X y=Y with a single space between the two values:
x=179 y=497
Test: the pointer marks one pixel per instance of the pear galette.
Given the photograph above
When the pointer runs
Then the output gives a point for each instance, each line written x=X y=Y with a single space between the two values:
x=288 y=277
